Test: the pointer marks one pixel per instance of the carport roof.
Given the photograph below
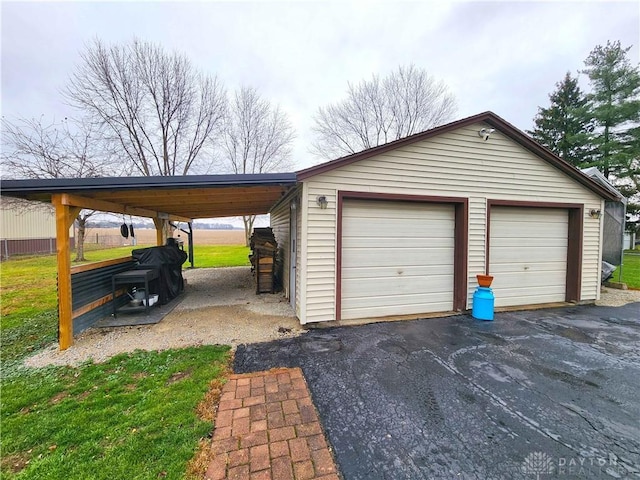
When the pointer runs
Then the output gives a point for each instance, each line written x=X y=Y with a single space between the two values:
x=179 y=198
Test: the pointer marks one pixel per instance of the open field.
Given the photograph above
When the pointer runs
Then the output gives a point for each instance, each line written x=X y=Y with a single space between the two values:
x=148 y=236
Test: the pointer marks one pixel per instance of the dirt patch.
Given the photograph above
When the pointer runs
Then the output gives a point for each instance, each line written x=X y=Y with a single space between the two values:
x=16 y=462
x=58 y=397
x=83 y=396
x=176 y=377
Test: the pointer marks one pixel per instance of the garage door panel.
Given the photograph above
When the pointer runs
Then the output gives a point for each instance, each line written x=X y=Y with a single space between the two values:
x=398 y=300
x=528 y=255
x=396 y=228
x=362 y=287
x=531 y=242
x=397 y=258
x=405 y=241
x=533 y=214
x=359 y=209
x=406 y=258
x=512 y=269
x=378 y=271
x=394 y=310
x=529 y=279
x=528 y=296
x=531 y=254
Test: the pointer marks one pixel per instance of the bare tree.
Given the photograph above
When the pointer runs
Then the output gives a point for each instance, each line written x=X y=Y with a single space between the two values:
x=257 y=139
x=66 y=149
x=381 y=110
x=155 y=105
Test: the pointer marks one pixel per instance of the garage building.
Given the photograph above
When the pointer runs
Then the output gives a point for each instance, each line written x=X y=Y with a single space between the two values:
x=402 y=230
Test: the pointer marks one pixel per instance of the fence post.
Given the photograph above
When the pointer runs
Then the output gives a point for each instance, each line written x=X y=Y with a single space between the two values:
x=6 y=249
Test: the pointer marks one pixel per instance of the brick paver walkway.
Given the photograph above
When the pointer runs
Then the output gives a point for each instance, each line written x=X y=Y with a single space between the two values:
x=267 y=428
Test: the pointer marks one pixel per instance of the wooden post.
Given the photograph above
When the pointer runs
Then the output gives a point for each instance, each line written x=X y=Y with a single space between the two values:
x=65 y=215
x=161 y=231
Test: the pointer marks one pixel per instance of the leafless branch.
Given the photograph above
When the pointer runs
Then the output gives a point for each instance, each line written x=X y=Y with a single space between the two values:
x=155 y=106
x=257 y=138
x=378 y=111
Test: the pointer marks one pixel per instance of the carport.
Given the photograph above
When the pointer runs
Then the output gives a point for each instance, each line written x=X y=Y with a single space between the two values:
x=163 y=199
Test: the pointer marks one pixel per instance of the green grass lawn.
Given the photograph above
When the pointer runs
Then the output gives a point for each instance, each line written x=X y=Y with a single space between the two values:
x=133 y=417
x=630 y=270
x=205 y=256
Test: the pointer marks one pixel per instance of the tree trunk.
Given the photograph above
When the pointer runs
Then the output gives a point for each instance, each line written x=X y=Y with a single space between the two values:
x=82 y=224
x=248 y=227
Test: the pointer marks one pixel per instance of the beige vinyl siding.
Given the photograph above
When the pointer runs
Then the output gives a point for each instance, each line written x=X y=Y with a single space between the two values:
x=298 y=257
x=458 y=164
x=279 y=221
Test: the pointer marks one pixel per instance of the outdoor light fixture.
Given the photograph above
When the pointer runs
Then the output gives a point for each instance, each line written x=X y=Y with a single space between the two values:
x=485 y=132
x=322 y=201
x=593 y=213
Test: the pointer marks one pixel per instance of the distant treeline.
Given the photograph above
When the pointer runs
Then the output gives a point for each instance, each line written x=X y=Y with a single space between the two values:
x=143 y=224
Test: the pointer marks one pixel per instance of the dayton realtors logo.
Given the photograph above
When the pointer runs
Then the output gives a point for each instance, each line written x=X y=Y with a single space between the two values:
x=538 y=463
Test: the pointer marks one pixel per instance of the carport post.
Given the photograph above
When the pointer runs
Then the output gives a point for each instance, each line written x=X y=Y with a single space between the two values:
x=65 y=216
x=161 y=231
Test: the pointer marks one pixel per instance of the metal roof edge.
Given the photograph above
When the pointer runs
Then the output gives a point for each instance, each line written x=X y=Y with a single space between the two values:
x=55 y=185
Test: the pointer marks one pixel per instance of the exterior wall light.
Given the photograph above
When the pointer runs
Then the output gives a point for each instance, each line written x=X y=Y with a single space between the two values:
x=484 y=133
x=321 y=200
x=595 y=213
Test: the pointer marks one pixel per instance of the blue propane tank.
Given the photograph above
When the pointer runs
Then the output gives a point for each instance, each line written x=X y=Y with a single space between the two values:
x=483 y=301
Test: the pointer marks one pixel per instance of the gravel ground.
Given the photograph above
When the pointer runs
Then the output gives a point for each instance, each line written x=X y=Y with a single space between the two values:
x=613 y=297
x=219 y=307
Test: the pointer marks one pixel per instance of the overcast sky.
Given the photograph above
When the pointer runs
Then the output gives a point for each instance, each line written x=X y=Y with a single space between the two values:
x=500 y=56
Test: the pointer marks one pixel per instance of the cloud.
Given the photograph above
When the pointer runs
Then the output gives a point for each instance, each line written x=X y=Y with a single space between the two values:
x=500 y=56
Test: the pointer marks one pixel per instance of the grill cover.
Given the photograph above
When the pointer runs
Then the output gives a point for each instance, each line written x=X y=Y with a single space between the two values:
x=169 y=260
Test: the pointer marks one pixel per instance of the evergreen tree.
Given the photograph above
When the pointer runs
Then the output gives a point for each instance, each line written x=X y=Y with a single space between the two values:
x=564 y=127
x=614 y=106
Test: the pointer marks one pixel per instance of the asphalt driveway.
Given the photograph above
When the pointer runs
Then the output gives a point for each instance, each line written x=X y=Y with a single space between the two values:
x=548 y=394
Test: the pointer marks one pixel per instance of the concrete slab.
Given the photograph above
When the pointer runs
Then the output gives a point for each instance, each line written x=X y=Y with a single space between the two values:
x=550 y=393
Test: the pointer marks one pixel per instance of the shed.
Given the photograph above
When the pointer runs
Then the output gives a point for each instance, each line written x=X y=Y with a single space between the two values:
x=27 y=228
x=402 y=229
